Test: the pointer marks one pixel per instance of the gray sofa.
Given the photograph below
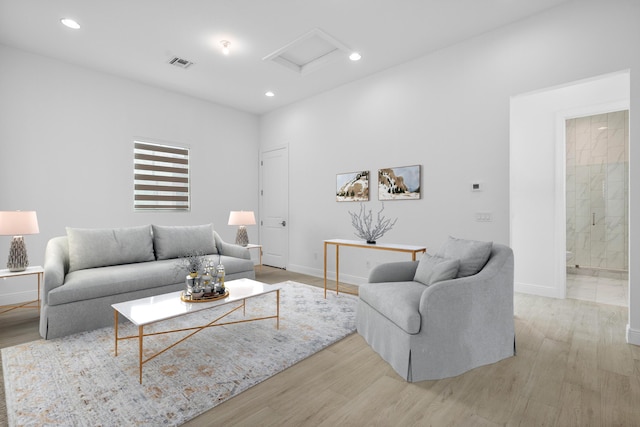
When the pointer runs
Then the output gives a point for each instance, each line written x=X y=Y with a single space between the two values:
x=89 y=269
x=443 y=315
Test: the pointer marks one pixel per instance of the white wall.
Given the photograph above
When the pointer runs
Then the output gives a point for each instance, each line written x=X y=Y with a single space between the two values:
x=448 y=111
x=66 y=152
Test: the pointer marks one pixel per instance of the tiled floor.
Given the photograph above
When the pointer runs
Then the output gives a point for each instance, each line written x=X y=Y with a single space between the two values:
x=598 y=289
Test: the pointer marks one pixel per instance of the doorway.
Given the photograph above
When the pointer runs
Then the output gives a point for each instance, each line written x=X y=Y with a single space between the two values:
x=597 y=221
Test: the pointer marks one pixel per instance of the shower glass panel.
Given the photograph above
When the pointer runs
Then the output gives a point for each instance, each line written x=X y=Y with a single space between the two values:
x=597 y=191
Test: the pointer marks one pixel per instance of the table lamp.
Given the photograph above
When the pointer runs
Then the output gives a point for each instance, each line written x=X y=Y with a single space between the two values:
x=241 y=219
x=17 y=223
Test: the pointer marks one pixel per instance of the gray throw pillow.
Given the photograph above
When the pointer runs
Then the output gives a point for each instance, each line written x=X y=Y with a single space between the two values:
x=177 y=241
x=89 y=248
x=432 y=269
x=473 y=254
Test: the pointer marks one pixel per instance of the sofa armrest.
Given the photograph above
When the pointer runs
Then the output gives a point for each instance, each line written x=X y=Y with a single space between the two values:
x=56 y=264
x=230 y=249
x=393 y=272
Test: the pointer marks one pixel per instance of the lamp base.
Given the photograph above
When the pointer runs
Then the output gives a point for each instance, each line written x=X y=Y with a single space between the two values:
x=18 y=260
x=242 y=238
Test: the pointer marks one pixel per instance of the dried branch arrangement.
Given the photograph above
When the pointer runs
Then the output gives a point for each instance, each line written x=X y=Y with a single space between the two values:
x=365 y=229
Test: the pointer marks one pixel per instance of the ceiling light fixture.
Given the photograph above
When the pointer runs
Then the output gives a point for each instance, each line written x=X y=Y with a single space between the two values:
x=269 y=94
x=355 y=56
x=68 y=22
x=225 y=47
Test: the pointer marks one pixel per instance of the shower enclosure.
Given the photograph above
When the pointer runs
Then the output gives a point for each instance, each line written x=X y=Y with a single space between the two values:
x=597 y=186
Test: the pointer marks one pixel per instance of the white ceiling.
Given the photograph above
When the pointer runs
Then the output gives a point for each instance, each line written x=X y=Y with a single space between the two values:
x=135 y=39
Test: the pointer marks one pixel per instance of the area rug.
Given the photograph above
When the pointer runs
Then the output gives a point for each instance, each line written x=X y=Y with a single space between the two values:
x=77 y=381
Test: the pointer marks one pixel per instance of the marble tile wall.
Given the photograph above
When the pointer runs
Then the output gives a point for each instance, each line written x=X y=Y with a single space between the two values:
x=597 y=173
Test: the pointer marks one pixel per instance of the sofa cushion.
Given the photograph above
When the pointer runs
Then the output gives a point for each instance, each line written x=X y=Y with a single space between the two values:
x=89 y=248
x=119 y=279
x=177 y=241
x=473 y=254
x=397 y=301
x=432 y=269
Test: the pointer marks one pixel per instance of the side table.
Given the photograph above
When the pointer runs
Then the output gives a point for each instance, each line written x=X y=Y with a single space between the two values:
x=259 y=248
x=413 y=250
x=38 y=271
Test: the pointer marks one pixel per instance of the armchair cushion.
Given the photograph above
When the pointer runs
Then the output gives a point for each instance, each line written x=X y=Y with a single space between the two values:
x=432 y=269
x=399 y=301
x=473 y=254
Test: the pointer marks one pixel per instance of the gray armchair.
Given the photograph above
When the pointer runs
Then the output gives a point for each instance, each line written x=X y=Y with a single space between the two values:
x=443 y=329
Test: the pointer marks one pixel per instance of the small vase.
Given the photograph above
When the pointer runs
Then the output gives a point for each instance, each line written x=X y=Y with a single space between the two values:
x=371 y=242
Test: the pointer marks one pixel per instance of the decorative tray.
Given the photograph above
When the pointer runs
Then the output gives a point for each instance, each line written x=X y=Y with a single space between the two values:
x=204 y=298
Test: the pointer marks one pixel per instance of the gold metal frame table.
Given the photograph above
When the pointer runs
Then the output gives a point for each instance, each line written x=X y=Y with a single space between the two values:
x=37 y=270
x=146 y=311
x=413 y=250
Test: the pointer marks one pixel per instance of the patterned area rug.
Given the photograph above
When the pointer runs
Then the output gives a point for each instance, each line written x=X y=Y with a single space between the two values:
x=77 y=381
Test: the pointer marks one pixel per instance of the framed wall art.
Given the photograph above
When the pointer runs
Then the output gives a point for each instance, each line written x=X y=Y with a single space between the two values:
x=352 y=187
x=399 y=183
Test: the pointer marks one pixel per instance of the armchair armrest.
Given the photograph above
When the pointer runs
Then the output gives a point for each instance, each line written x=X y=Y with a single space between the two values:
x=393 y=272
x=56 y=264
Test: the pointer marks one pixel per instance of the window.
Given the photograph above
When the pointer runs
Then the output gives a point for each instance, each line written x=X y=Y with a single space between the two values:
x=161 y=177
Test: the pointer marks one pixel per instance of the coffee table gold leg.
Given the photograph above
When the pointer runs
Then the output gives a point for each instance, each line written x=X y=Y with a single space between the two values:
x=140 y=335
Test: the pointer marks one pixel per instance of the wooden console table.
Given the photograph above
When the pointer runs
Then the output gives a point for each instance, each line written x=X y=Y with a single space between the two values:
x=413 y=250
x=37 y=270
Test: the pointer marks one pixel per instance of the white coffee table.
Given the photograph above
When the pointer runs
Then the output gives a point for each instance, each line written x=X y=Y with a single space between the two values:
x=146 y=311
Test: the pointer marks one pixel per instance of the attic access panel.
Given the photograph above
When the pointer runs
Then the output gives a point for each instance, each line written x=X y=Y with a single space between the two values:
x=308 y=52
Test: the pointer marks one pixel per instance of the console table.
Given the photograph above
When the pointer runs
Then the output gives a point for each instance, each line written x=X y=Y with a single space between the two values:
x=37 y=270
x=413 y=250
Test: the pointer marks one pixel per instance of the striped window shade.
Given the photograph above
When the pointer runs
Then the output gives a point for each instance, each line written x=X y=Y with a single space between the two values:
x=161 y=177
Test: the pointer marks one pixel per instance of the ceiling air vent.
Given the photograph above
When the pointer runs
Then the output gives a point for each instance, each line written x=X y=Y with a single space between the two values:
x=180 y=62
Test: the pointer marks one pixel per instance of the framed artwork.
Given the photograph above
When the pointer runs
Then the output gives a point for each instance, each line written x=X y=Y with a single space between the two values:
x=352 y=187
x=401 y=183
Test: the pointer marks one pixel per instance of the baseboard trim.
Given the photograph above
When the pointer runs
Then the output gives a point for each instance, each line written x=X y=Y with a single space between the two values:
x=633 y=335
x=543 y=291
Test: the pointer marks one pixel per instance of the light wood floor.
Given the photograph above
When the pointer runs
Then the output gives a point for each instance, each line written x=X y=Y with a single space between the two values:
x=573 y=368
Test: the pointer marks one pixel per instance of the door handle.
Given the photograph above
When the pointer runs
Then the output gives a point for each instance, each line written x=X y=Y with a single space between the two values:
x=283 y=223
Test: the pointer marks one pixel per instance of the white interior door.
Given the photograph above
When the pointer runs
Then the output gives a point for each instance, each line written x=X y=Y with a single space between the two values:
x=274 y=209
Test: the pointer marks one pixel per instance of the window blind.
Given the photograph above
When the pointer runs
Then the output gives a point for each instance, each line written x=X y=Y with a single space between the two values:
x=161 y=177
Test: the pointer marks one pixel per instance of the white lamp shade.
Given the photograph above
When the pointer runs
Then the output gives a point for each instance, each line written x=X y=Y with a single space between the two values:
x=17 y=223
x=242 y=218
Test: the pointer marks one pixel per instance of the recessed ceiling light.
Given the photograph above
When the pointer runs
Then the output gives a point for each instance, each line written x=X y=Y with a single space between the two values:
x=355 y=56
x=68 y=22
x=269 y=94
